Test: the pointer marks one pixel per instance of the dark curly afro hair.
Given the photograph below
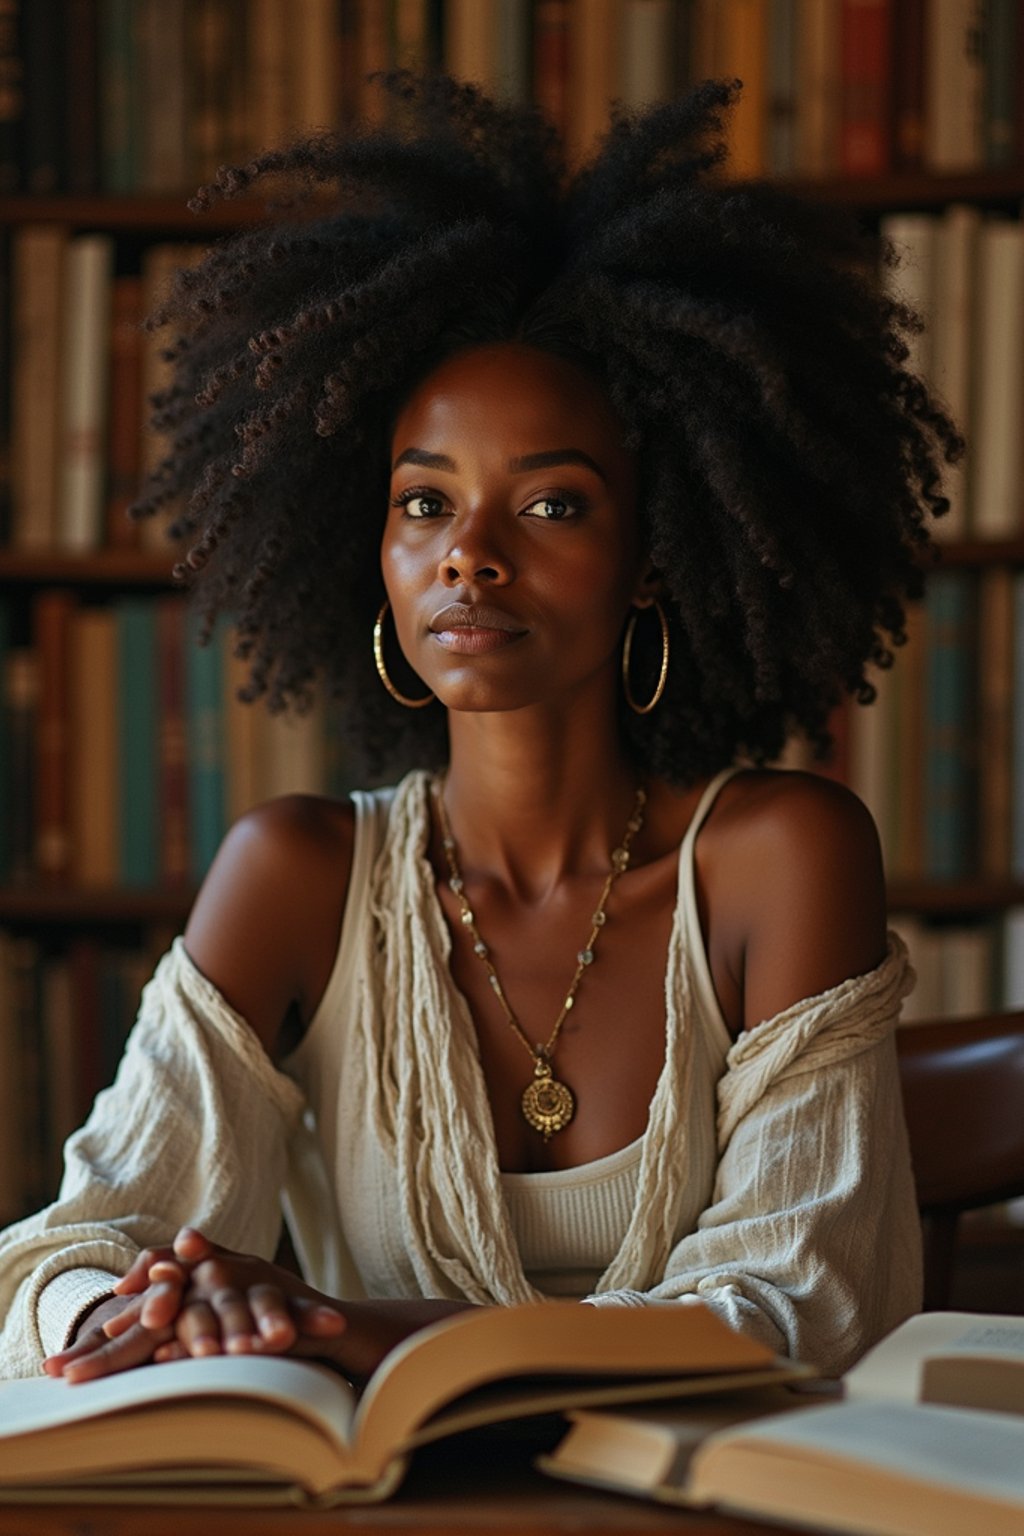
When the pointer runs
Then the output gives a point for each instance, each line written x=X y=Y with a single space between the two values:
x=790 y=463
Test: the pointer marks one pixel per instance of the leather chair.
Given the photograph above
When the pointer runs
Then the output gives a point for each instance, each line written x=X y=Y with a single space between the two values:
x=963 y=1092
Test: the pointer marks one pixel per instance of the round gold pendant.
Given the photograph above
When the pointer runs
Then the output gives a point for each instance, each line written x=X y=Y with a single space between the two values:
x=547 y=1104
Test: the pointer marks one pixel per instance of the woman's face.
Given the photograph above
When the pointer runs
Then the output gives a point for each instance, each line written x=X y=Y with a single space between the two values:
x=510 y=553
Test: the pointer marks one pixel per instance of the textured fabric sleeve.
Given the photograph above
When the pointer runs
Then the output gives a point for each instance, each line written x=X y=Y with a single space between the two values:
x=194 y=1130
x=811 y=1242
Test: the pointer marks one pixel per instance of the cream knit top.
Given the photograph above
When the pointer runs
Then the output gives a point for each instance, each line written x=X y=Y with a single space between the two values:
x=772 y=1181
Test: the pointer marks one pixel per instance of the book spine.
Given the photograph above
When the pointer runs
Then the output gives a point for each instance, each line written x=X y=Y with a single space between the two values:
x=20 y=709
x=205 y=736
x=24 y=976
x=138 y=689
x=908 y=84
x=12 y=1103
x=995 y=757
x=551 y=60
x=39 y=253
x=6 y=765
x=866 y=87
x=950 y=748
x=44 y=42
x=85 y=393
x=317 y=85
x=512 y=50
x=953 y=339
x=173 y=757
x=241 y=735
x=12 y=97
x=1001 y=81
x=51 y=623
x=745 y=41
x=124 y=437
x=269 y=81
x=1017 y=824
x=594 y=36
x=95 y=788
x=470 y=36
x=647 y=67
x=163 y=97
x=782 y=87
x=954 y=123
x=82 y=116
x=818 y=95
x=914 y=236
x=997 y=461
x=119 y=103
x=60 y=1055
x=908 y=860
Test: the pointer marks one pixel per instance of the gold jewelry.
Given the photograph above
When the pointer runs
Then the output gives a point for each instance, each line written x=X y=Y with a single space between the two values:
x=382 y=671
x=627 y=651
x=547 y=1104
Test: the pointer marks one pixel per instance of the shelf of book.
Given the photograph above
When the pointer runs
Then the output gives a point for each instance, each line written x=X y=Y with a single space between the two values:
x=114 y=568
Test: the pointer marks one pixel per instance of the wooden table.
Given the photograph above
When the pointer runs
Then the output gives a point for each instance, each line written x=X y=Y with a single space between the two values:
x=462 y=1488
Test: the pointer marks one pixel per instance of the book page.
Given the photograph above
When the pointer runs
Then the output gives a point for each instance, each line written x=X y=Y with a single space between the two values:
x=308 y=1391
x=894 y=1370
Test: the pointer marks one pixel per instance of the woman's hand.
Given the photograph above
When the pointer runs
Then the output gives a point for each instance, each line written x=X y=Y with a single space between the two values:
x=199 y=1299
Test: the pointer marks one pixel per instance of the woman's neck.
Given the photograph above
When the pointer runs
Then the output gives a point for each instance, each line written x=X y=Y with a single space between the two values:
x=534 y=797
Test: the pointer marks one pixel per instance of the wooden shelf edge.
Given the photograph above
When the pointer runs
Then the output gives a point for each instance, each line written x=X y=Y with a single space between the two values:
x=952 y=898
x=106 y=567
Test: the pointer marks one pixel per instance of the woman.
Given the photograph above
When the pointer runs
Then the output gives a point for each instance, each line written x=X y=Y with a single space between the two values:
x=627 y=482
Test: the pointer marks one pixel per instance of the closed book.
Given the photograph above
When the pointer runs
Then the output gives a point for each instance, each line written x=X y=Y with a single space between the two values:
x=85 y=388
x=1017 y=825
x=866 y=85
x=995 y=686
x=95 y=786
x=996 y=452
x=120 y=106
x=173 y=759
x=207 y=794
x=52 y=614
x=951 y=726
x=1001 y=81
x=914 y=238
x=551 y=60
x=138 y=748
x=818 y=96
x=82 y=111
x=593 y=73
x=908 y=82
x=20 y=703
x=43 y=41
x=216 y=53
x=647 y=71
x=953 y=338
x=470 y=41
x=513 y=76
x=12 y=97
x=954 y=82
x=124 y=431
x=36 y=345
x=160 y=43
x=316 y=94
x=6 y=771
x=782 y=88
x=744 y=57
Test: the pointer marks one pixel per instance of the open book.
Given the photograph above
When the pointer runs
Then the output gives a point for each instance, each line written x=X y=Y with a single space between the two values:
x=930 y=1441
x=265 y=1429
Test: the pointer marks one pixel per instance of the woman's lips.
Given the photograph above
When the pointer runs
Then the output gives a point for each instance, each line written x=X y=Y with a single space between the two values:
x=471 y=629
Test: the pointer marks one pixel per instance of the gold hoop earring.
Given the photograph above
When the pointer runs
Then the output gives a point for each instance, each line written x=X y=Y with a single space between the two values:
x=627 y=651
x=382 y=671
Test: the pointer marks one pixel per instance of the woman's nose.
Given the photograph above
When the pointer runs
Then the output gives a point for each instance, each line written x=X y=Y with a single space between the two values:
x=475 y=554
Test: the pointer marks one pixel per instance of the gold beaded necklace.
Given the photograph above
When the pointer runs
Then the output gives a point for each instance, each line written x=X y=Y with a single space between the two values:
x=547 y=1104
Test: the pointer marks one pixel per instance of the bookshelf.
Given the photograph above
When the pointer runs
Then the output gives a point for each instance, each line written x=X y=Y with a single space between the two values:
x=60 y=914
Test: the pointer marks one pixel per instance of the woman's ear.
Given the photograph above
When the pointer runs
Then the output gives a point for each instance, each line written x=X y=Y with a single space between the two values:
x=648 y=588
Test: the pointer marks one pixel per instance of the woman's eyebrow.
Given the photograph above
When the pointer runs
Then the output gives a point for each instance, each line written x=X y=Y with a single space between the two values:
x=425 y=460
x=544 y=460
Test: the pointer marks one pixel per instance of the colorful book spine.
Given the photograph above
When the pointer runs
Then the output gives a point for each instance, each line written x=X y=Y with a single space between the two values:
x=951 y=727
x=39 y=253
x=138 y=693
x=866 y=87
x=94 y=780
x=817 y=125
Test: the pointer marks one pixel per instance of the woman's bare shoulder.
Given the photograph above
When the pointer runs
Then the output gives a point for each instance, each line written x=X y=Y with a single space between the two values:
x=266 y=923
x=794 y=862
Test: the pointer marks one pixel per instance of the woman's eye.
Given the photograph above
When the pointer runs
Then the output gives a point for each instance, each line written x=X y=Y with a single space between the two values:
x=419 y=505
x=550 y=509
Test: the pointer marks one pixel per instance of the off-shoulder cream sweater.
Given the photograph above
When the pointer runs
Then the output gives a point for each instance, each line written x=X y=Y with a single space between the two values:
x=772 y=1182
